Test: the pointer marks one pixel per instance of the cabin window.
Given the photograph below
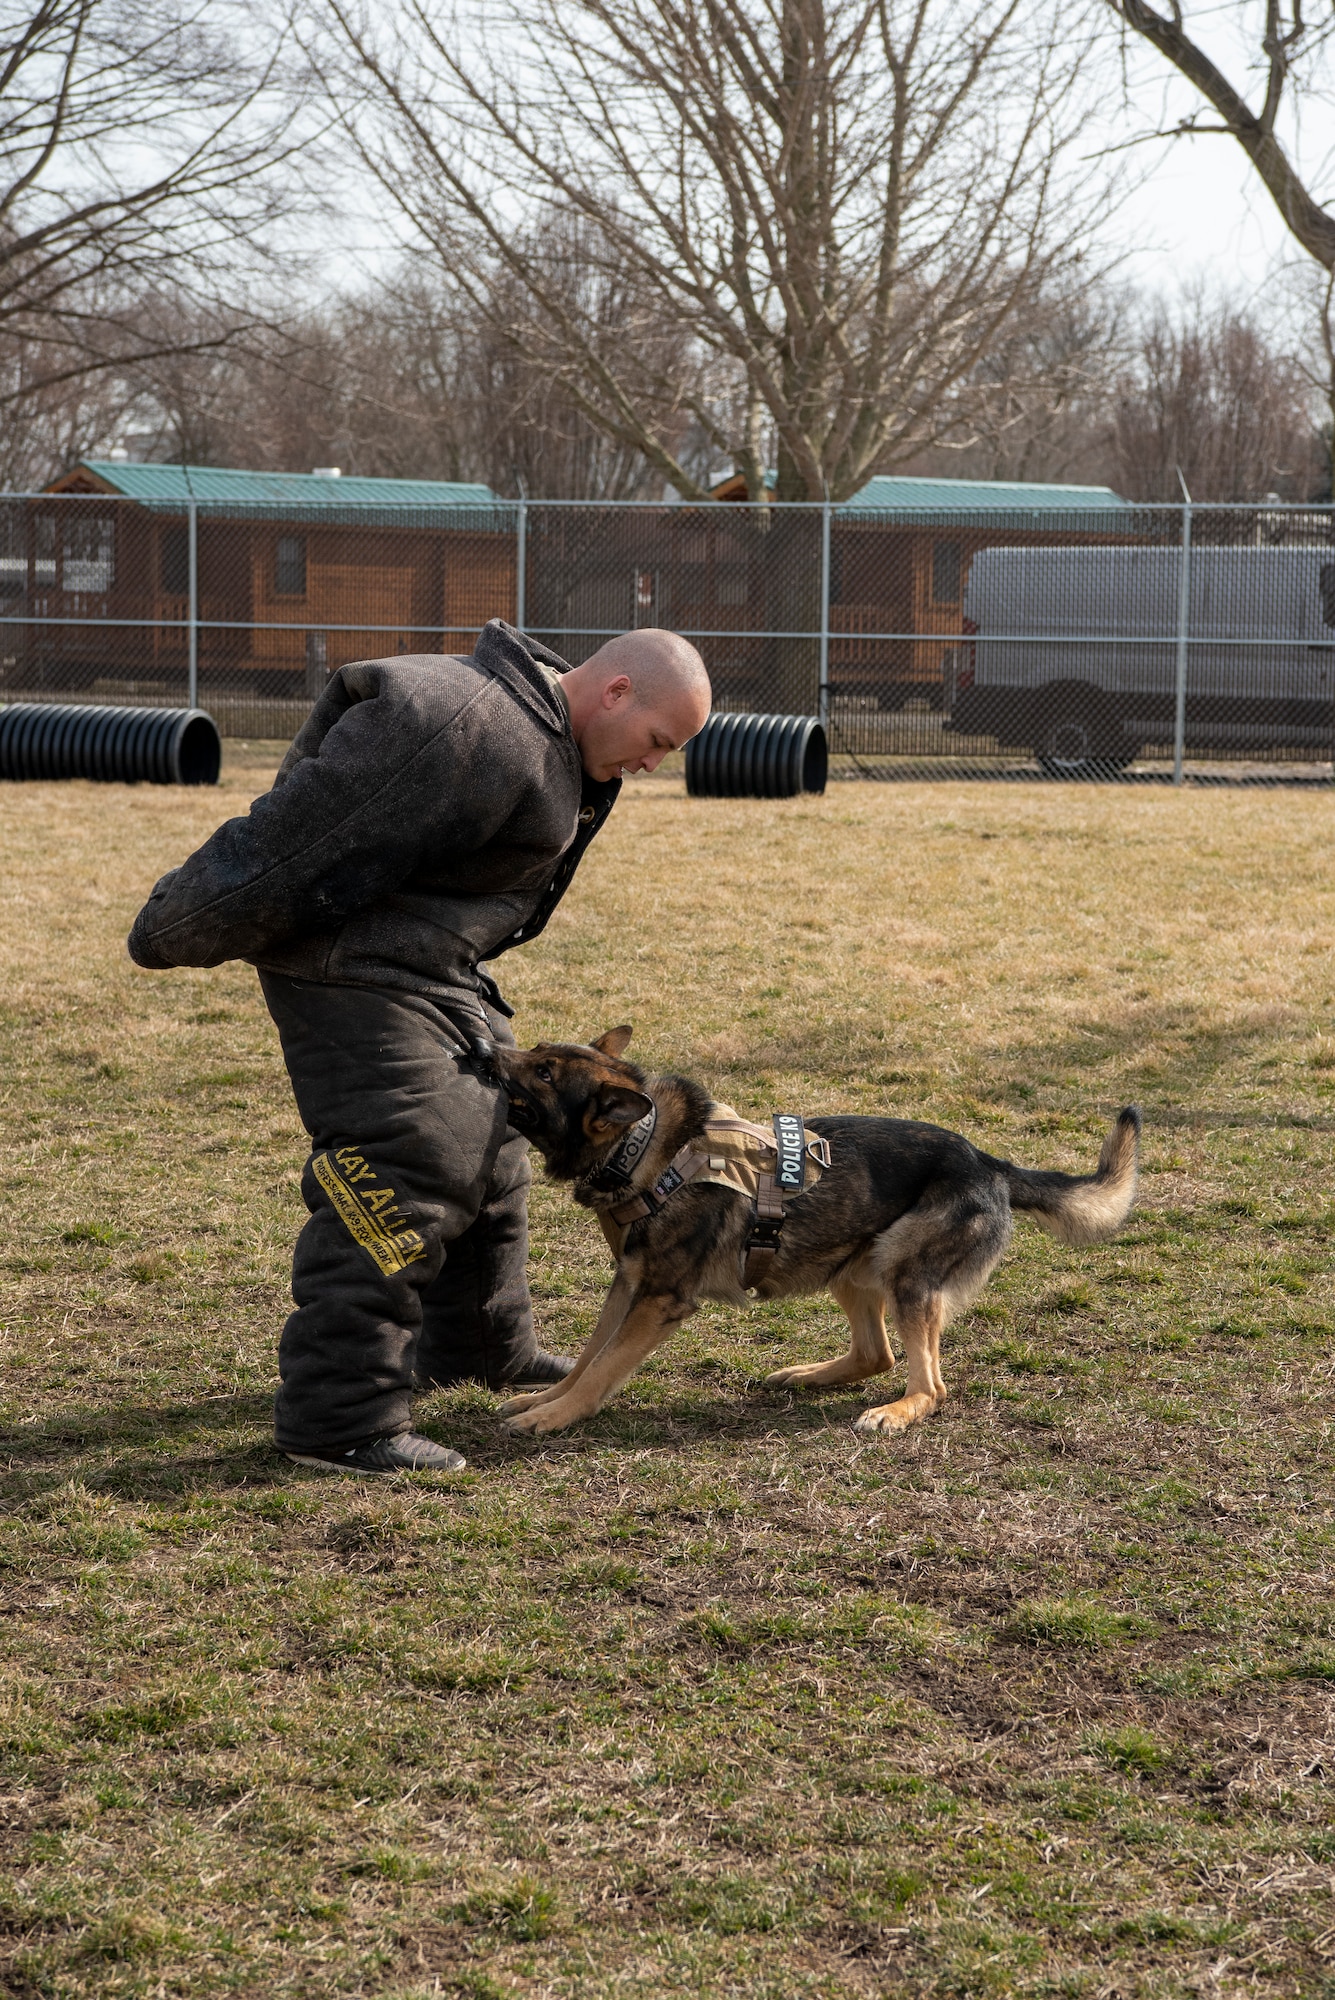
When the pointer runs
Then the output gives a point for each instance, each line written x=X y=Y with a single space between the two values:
x=44 y=552
x=289 y=569
x=13 y=553
x=176 y=561
x=90 y=553
x=946 y=572
x=646 y=597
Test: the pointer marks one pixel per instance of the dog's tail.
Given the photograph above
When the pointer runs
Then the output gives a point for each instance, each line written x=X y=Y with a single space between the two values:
x=1083 y=1208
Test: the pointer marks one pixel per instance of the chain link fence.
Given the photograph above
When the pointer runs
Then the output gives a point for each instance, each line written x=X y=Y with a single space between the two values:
x=1095 y=640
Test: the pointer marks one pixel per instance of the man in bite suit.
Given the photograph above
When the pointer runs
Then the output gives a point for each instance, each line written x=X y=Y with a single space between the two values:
x=429 y=816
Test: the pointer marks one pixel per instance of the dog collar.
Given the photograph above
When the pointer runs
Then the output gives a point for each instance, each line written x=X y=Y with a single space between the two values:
x=616 y=1171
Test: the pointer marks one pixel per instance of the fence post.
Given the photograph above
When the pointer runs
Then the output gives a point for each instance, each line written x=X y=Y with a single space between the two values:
x=521 y=565
x=823 y=704
x=192 y=544
x=1183 y=623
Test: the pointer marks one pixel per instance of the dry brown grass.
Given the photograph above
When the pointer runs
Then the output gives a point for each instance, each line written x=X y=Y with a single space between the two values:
x=706 y=1697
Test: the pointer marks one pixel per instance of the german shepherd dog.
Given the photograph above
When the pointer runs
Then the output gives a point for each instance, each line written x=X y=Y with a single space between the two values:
x=907 y=1216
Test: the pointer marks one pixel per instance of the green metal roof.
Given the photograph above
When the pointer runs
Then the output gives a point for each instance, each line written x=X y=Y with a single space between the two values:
x=303 y=496
x=175 y=484
x=974 y=496
x=221 y=493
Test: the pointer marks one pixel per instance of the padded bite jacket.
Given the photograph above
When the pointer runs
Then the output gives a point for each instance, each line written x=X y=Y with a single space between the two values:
x=429 y=815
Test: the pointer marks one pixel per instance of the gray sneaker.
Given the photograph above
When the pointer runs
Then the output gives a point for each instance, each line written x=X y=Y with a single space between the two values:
x=540 y=1369
x=381 y=1456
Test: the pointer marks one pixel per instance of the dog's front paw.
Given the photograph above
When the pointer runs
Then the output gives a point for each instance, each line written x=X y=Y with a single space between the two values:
x=537 y=1422
x=895 y=1416
x=524 y=1402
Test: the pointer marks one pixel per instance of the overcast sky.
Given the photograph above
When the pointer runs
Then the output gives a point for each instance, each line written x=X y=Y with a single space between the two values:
x=1203 y=214
x=1200 y=213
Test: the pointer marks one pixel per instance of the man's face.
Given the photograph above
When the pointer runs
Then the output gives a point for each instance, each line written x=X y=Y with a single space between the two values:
x=624 y=736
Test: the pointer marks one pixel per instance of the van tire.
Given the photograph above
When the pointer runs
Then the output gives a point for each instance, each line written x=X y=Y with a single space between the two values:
x=1078 y=733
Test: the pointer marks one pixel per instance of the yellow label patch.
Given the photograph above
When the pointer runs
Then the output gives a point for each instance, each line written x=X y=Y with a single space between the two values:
x=369 y=1215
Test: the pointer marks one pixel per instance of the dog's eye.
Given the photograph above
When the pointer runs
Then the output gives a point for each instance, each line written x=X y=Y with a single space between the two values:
x=542 y=1074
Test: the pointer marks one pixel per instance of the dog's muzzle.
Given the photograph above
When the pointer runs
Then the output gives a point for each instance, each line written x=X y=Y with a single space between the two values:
x=480 y=1050
x=523 y=1112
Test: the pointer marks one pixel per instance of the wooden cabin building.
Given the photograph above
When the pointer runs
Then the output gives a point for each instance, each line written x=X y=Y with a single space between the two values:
x=297 y=573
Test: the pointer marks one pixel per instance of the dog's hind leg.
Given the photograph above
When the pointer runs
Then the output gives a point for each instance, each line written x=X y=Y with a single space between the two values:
x=934 y=1261
x=920 y=1320
x=615 y=1307
x=869 y=1352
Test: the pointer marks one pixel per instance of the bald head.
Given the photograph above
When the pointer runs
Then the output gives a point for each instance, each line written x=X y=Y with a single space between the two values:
x=639 y=696
x=660 y=665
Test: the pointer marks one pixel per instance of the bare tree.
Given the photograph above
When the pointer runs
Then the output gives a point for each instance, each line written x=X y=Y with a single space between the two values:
x=401 y=381
x=1211 y=395
x=50 y=420
x=1041 y=398
x=1318 y=365
x=534 y=422
x=1291 y=48
x=820 y=212
x=1310 y=292
x=139 y=142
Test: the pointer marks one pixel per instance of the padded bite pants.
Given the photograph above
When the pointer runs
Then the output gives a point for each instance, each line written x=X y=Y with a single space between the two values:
x=411 y=1272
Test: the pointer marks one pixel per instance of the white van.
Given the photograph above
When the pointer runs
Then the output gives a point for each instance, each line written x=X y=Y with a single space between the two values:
x=1076 y=651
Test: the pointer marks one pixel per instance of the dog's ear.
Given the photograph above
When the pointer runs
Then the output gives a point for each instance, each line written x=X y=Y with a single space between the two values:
x=614 y=1041
x=613 y=1109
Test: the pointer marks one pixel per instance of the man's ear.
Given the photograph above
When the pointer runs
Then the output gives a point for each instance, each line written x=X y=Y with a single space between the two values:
x=614 y=1109
x=614 y=1041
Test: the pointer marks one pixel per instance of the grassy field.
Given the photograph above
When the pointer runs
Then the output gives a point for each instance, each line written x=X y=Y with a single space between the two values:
x=707 y=1697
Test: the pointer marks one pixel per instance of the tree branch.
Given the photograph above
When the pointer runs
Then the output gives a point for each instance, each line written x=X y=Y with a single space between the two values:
x=1313 y=225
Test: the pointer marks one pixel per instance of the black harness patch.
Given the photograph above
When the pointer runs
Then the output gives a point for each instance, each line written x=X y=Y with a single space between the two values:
x=616 y=1170
x=667 y=1183
x=790 y=1142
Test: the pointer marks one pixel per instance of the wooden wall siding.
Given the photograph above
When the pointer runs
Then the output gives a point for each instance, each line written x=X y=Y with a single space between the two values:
x=875 y=572
x=357 y=579
x=394 y=590
x=479 y=583
x=929 y=662
x=377 y=603
x=170 y=640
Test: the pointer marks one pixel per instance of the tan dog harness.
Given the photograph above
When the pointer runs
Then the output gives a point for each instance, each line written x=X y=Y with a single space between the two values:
x=771 y=1166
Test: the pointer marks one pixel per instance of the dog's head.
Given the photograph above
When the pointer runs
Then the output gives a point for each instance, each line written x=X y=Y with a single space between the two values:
x=573 y=1101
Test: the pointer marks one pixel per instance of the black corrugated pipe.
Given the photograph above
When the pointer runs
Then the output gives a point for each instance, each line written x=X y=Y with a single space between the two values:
x=127 y=746
x=757 y=757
